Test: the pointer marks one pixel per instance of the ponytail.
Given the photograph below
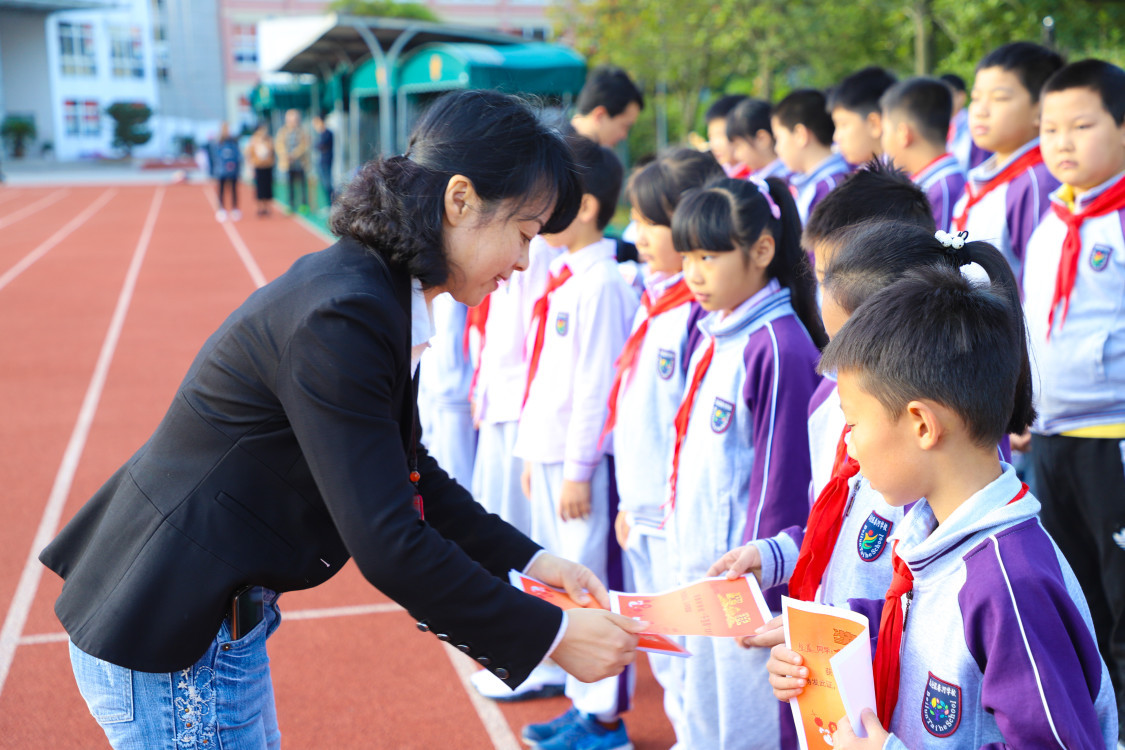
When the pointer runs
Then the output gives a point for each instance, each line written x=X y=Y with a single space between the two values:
x=790 y=265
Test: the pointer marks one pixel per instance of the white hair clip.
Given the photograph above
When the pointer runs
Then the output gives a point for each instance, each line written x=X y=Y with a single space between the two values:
x=764 y=189
x=955 y=241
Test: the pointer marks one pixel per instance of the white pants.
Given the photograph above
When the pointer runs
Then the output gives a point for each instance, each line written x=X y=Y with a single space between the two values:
x=496 y=475
x=448 y=434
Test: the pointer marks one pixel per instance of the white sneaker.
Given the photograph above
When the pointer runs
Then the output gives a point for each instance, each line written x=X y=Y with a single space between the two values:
x=545 y=681
x=220 y=215
x=235 y=215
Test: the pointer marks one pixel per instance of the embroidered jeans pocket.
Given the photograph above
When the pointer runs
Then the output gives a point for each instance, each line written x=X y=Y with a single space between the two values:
x=106 y=688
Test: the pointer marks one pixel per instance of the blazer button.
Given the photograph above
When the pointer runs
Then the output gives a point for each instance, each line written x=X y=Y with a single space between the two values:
x=423 y=627
x=501 y=673
x=464 y=648
x=443 y=637
x=484 y=661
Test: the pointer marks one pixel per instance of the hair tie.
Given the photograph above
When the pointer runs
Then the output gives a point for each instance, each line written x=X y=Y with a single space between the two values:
x=764 y=189
x=954 y=245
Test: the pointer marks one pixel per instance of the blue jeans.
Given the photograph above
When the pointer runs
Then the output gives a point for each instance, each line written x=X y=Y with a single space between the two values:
x=222 y=702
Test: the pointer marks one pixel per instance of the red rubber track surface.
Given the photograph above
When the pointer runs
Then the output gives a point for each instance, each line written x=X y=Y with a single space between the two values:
x=344 y=678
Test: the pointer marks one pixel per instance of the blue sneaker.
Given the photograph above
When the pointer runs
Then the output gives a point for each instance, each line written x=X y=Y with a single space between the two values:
x=533 y=734
x=588 y=734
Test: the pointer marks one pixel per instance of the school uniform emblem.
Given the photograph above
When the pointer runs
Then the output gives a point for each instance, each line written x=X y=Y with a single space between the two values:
x=665 y=363
x=941 y=707
x=1099 y=257
x=720 y=415
x=872 y=538
x=562 y=323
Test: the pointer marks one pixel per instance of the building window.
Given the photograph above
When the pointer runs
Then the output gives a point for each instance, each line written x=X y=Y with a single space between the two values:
x=244 y=43
x=76 y=49
x=160 y=51
x=82 y=117
x=70 y=117
x=126 y=53
x=536 y=33
x=91 y=118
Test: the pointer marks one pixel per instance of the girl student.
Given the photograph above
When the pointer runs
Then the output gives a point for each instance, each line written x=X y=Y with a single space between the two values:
x=649 y=383
x=740 y=467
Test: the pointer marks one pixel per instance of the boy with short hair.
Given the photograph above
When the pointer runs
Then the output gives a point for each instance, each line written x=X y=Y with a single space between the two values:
x=716 y=121
x=752 y=142
x=915 y=123
x=607 y=106
x=803 y=132
x=579 y=328
x=1006 y=196
x=854 y=106
x=1074 y=277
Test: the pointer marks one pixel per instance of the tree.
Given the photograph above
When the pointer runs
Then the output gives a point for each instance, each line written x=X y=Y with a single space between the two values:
x=128 y=124
x=384 y=9
x=17 y=132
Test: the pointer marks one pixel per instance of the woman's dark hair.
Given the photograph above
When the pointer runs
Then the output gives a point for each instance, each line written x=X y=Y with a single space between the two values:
x=730 y=214
x=876 y=256
x=656 y=190
x=395 y=206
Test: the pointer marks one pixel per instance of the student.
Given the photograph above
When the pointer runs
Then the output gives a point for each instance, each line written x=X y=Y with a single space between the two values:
x=228 y=165
x=959 y=141
x=739 y=469
x=854 y=106
x=716 y=121
x=984 y=638
x=649 y=384
x=751 y=141
x=1074 y=274
x=915 y=124
x=444 y=378
x=803 y=131
x=607 y=106
x=580 y=326
x=1006 y=196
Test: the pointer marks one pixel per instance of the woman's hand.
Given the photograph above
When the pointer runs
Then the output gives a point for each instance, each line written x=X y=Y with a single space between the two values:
x=574 y=501
x=621 y=529
x=525 y=479
x=737 y=562
x=787 y=676
x=597 y=644
x=769 y=635
x=845 y=738
x=578 y=581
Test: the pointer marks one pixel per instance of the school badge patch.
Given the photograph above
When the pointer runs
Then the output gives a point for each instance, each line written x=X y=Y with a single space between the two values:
x=665 y=363
x=721 y=414
x=562 y=323
x=1099 y=257
x=941 y=707
x=872 y=538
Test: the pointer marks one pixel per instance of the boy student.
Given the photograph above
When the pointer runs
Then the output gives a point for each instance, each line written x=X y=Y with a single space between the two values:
x=607 y=106
x=716 y=120
x=1074 y=275
x=579 y=328
x=915 y=124
x=984 y=639
x=803 y=133
x=854 y=106
x=752 y=142
x=1006 y=196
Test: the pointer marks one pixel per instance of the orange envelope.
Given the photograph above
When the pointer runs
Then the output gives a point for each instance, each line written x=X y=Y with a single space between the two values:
x=713 y=606
x=817 y=632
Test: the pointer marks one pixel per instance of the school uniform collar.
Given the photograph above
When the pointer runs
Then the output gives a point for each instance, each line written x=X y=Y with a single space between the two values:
x=583 y=260
x=422 y=327
x=991 y=166
x=772 y=301
x=945 y=162
x=658 y=283
x=775 y=168
x=1064 y=194
x=930 y=549
x=831 y=165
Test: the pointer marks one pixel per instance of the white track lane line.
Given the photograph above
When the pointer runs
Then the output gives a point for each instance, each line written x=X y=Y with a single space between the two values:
x=55 y=239
x=64 y=479
x=28 y=210
x=489 y=712
x=240 y=248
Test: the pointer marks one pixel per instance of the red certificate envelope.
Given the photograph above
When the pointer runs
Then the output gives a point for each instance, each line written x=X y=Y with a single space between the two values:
x=658 y=644
x=713 y=606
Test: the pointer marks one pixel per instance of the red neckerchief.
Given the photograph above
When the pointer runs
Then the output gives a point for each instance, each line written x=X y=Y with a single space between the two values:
x=475 y=320
x=683 y=417
x=539 y=320
x=1028 y=160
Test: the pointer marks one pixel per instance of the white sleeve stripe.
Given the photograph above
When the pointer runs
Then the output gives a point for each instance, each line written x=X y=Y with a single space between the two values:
x=769 y=438
x=1027 y=647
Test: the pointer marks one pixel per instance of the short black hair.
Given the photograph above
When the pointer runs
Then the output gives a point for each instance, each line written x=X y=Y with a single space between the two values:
x=860 y=91
x=749 y=117
x=926 y=103
x=954 y=82
x=936 y=335
x=395 y=206
x=806 y=107
x=655 y=191
x=877 y=191
x=601 y=173
x=1101 y=77
x=722 y=106
x=609 y=87
x=1032 y=63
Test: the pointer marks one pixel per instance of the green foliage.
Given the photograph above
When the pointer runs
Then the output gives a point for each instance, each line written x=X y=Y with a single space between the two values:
x=384 y=9
x=17 y=132
x=128 y=124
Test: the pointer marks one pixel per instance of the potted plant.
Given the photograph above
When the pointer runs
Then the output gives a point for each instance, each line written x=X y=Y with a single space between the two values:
x=17 y=131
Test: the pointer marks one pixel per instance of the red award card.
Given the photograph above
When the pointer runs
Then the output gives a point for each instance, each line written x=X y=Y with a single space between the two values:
x=716 y=607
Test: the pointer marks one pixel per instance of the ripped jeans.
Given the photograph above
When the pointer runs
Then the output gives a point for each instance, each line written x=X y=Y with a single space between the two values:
x=222 y=702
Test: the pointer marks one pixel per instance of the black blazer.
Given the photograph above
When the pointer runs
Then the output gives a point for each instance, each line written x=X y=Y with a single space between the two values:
x=283 y=454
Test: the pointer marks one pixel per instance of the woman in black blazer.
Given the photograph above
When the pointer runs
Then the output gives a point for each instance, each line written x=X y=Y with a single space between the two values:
x=292 y=445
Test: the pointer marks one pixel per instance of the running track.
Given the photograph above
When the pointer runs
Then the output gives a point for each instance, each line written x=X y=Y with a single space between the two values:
x=106 y=293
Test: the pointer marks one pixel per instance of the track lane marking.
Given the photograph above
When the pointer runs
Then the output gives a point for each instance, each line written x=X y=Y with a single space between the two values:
x=35 y=207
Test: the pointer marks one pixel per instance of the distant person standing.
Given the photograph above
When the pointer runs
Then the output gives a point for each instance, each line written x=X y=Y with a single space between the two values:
x=260 y=155
x=292 y=146
x=608 y=106
x=325 y=149
x=226 y=167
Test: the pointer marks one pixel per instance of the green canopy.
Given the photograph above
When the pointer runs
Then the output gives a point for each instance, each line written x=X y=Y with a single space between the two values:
x=266 y=97
x=532 y=68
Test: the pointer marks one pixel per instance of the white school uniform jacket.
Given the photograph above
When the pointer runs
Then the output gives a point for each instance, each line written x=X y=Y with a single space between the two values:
x=1008 y=215
x=811 y=187
x=1080 y=370
x=503 y=361
x=998 y=649
x=744 y=462
x=588 y=320
x=645 y=433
